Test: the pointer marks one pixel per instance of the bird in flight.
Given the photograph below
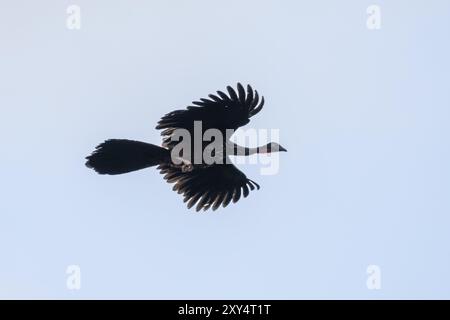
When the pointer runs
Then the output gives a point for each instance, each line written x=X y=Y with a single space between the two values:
x=203 y=183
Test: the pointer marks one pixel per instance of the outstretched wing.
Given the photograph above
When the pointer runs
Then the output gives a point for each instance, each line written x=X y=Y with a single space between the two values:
x=220 y=111
x=209 y=186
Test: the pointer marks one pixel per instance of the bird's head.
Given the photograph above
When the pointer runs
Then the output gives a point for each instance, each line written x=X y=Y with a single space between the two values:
x=271 y=147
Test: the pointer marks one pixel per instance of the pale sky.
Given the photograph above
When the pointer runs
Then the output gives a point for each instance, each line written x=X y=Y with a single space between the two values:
x=363 y=113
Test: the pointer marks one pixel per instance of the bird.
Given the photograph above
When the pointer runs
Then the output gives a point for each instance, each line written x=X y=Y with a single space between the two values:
x=203 y=185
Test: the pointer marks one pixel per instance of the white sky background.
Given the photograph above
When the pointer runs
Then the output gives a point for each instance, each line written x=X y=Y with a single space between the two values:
x=364 y=116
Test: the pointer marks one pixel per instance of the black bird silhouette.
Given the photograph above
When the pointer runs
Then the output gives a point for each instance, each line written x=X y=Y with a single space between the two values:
x=207 y=185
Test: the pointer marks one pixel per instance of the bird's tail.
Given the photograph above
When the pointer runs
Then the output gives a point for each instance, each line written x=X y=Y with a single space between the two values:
x=121 y=156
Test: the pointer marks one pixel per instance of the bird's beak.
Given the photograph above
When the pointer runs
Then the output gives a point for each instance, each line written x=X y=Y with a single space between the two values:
x=282 y=149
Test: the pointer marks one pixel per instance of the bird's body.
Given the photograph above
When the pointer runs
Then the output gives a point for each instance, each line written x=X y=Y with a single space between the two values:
x=206 y=182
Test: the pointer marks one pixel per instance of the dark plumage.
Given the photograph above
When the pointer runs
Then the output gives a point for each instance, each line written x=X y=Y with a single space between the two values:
x=204 y=185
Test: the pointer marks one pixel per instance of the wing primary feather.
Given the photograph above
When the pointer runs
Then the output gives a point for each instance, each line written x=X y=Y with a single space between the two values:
x=223 y=96
x=218 y=200
x=215 y=98
x=257 y=185
x=207 y=206
x=241 y=92
x=249 y=100
x=232 y=94
x=207 y=101
x=227 y=198
x=199 y=103
x=237 y=194
x=246 y=191
x=194 y=200
x=258 y=108
x=255 y=100
x=203 y=201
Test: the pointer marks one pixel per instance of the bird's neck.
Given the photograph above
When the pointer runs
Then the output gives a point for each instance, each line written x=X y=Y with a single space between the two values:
x=244 y=151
